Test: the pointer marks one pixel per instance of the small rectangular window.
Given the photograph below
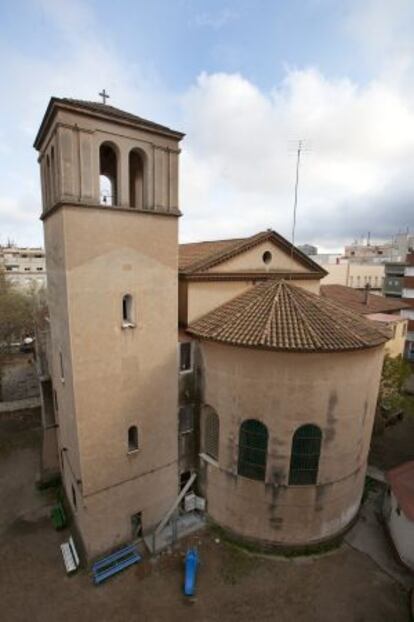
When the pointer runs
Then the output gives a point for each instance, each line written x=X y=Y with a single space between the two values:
x=185 y=356
x=62 y=373
x=136 y=524
x=74 y=497
x=186 y=419
x=128 y=311
x=133 y=439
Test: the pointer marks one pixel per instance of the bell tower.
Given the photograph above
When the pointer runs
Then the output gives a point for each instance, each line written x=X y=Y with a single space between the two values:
x=110 y=216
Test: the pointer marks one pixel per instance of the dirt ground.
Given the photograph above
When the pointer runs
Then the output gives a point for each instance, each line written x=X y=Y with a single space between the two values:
x=345 y=585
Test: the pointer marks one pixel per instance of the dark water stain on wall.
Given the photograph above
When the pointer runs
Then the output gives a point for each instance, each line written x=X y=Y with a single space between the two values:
x=331 y=419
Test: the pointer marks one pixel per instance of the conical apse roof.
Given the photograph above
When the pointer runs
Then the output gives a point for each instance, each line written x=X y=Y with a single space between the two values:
x=277 y=315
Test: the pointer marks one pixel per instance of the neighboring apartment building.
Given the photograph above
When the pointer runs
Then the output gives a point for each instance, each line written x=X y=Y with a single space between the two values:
x=308 y=249
x=217 y=360
x=408 y=299
x=392 y=251
x=389 y=312
x=394 y=279
x=26 y=267
x=350 y=274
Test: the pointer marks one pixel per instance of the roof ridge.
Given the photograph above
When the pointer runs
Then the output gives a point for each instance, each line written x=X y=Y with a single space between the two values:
x=296 y=304
x=266 y=330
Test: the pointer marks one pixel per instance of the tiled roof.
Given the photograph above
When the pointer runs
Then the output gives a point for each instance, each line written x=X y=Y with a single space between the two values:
x=200 y=256
x=277 y=315
x=102 y=109
x=385 y=317
x=401 y=480
x=354 y=299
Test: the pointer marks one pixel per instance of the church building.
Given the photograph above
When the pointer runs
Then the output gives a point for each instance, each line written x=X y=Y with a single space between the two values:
x=215 y=362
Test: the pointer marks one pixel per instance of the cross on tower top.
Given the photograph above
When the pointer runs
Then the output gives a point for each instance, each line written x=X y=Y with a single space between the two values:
x=104 y=96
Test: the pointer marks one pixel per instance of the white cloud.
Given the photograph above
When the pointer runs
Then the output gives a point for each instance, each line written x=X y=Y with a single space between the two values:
x=362 y=144
x=237 y=168
x=215 y=20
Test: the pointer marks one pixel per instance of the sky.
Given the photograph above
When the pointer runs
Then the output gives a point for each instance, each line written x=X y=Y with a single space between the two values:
x=245 y=80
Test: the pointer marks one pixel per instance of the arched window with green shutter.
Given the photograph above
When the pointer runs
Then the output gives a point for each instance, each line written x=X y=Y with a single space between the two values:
x=211 y=432
x=253 y=439
x=304 y=459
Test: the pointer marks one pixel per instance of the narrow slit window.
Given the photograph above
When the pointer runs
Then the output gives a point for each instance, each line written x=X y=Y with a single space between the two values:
x=185 y=356
x=128 y=310
x=304 y=460
x=186 y=419
x=133 y=438
x=62 y=371
x=74 y=498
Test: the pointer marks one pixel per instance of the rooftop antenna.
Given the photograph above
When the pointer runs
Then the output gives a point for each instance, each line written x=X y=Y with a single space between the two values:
x=299 y=148
x=104 y=96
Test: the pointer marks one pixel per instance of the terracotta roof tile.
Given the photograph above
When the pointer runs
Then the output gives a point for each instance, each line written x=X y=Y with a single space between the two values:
x=200 y=256
x=111 y=111
x=354 y=299
x=277 y=315
x=102 y=109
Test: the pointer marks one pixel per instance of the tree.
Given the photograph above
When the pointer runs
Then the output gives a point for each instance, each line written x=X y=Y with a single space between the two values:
x=17 y=311
x=395 y=372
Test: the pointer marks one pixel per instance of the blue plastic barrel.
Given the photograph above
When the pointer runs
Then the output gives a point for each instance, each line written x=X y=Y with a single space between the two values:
x=191 y=563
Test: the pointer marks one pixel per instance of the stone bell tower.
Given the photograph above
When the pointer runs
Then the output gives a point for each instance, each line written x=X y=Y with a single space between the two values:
x=110 y=215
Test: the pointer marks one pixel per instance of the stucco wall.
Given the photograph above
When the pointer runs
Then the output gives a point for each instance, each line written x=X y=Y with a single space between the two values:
x=395 y=346
x=115 y=377
x=252 y=259
x=354 y=275
x=200 y=297
x=335 y=391
x=402 y=532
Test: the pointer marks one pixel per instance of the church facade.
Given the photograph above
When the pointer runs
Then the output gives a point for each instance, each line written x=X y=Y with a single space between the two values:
x=215 y=358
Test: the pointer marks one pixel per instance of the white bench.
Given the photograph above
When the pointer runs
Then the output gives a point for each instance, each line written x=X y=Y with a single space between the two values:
x=70 y=556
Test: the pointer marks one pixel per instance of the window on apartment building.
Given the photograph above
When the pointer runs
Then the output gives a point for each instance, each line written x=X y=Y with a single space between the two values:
x=128 y=311
x=74 y=497
x=394 y=331
x=253 y=439
x=304 y=459
x=39 y=269
x=133 y=438
x=404 y=330
x=185 y=356
x=62 y=371
x=27 y=269
x=211 y=429
x=186 y=419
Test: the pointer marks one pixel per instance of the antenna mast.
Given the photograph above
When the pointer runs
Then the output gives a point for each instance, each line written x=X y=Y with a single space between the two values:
x=299 y=149
x=295 y=204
